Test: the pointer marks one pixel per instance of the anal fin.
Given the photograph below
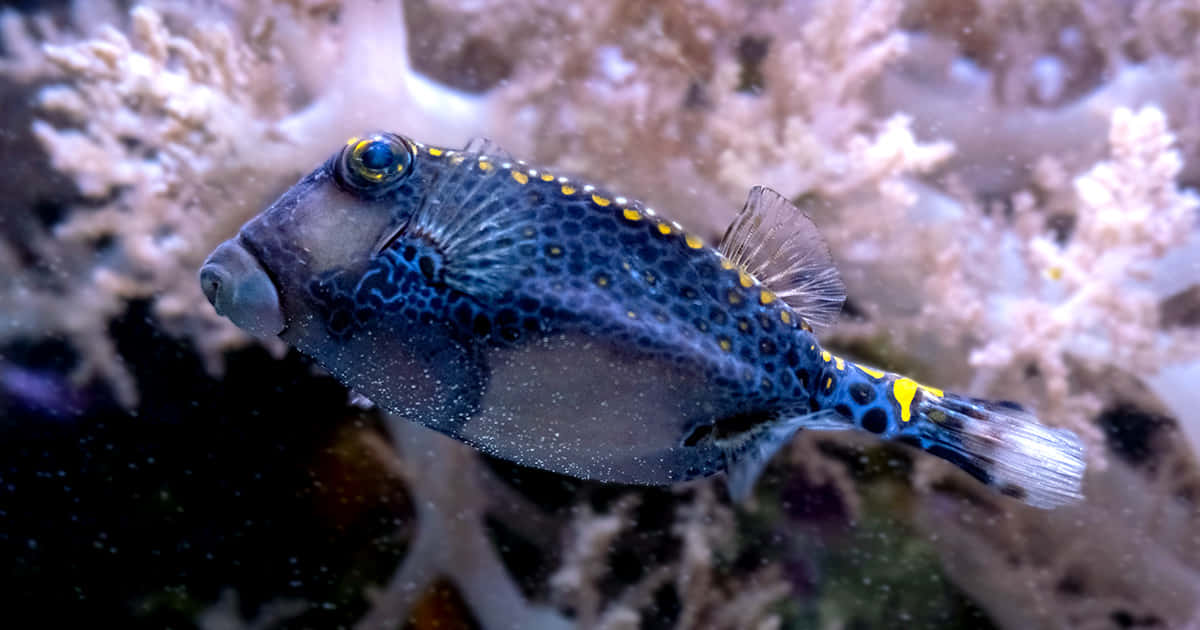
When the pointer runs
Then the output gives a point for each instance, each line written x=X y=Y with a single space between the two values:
x=777 y=243
x=746 y=455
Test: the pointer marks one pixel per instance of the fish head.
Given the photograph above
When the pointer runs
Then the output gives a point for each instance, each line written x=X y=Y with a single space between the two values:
x=278 y=275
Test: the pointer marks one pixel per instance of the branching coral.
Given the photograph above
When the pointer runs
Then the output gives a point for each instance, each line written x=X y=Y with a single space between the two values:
x=708 y=600
x=1128 y=554
x=181 y=138
x=1073 y=313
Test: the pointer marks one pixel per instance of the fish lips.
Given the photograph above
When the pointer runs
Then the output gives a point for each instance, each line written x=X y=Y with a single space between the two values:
x=239 y=288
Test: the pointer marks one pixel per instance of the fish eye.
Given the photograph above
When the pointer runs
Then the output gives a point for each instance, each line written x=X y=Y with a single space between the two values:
x=371 y=165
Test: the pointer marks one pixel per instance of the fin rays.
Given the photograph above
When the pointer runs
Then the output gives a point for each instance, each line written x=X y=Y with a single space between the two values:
x=463 y=215
x=1007 y=448
x=747 y=455
x=778 y=243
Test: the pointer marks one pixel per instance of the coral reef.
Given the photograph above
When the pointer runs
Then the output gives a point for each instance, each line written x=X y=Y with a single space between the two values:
x=1007 y=188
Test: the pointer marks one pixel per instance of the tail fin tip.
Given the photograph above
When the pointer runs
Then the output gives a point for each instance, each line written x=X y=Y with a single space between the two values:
x=1004 y=446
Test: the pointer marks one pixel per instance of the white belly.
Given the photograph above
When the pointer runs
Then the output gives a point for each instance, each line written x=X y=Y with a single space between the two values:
x=575 y=406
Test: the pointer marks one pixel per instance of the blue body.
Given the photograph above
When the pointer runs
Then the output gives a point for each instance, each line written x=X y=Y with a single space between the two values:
x=554 y=324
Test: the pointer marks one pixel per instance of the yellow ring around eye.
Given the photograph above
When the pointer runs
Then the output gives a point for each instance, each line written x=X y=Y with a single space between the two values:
x=372 y=163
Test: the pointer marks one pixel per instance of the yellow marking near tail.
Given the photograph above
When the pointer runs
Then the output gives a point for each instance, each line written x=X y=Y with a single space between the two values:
x=839 y=364
x=484 y=165
x=905 y=389
x=352 y=140
x=568 y=190
x=825 y=356
x=693 y=241
x=726 y=264
x=601 y=201
x=870 y=371
x=547 y=177
x=434 y=152
x=745 y=279
x=664 y=229
x=632 y=215
x=766 y=297
x=521 y=178
x=785 y=316
x=726 y=345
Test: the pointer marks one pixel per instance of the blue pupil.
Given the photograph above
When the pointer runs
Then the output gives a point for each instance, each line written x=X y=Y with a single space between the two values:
x=378 y=156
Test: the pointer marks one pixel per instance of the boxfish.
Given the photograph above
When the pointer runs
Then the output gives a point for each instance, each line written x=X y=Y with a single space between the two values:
x=551 y=322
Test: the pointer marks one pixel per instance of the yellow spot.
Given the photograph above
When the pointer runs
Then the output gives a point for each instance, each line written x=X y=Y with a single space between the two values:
x=745 y=279
x=632 y=215
x=362 y=144
x=726 y=345
x=785 y=316
x=547 y=177
x=663 y=228
x=805 y=327
x=631 y=314
x=734 y=298
x=520 y=177
x=839 y=364
x=568 y=190
x=870 y=371
x=766 y=297
x=1054 y=273
x=457 y=159
x=602 y=280
x=904 y=389
x=434 y=152
x=352 y=140
x=825 y=356
x=600 y=201
x=555 y=251
x=649 y=278
x=693 y=241
x=726 y=264
x=484 y=165
x=828 y=383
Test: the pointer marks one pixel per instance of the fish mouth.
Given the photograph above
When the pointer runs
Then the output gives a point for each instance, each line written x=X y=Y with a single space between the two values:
x=239 y=288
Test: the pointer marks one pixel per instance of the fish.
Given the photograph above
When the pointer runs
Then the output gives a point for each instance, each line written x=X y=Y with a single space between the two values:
x=545 y=320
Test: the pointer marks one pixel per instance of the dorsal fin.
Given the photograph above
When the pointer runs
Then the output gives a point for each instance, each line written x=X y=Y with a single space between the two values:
x=488 y=147
x=463 y=216
x=778 y=243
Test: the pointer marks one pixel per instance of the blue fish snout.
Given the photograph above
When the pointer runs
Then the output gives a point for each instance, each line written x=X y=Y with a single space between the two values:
x=239 y=288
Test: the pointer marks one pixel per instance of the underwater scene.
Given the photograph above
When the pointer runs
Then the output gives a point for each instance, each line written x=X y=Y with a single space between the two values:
x=528 y=314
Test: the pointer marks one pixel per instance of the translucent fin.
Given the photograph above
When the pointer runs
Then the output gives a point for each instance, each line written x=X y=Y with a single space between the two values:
x=463 y=215
x=747 y=455
x=778 y=243
x=1003 y=446
x=488 y=147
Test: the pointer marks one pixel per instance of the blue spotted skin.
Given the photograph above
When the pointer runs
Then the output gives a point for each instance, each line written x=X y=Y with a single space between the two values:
x=601 y=340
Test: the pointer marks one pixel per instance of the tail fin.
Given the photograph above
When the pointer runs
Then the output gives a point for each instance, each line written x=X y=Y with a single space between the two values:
x=1002 y=445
